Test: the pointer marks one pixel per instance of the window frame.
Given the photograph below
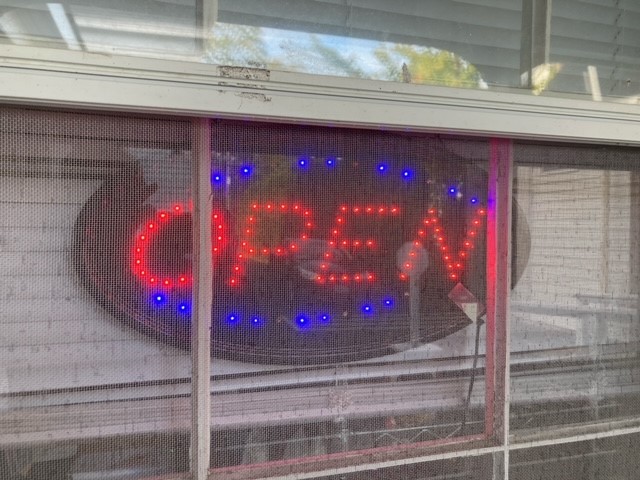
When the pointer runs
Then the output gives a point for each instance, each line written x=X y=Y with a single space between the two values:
x=47 y=77
x=63 y=79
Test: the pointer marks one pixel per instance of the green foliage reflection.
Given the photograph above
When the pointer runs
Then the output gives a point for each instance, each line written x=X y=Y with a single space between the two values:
x=243 y=45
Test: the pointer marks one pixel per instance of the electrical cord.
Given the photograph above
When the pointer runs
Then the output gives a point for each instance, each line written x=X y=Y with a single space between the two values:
x=467 y=403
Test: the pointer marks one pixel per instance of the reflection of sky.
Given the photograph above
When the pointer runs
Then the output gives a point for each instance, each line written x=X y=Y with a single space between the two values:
x=357 y=49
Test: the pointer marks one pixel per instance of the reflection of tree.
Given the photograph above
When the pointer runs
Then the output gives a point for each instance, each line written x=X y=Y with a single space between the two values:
x=408 y=63
x=319 y=57
x=238 y=45
x=243 y=45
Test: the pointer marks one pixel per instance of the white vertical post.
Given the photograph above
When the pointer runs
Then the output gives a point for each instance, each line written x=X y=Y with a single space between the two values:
x=202 y=300
x=498 y=292
x=207 y=15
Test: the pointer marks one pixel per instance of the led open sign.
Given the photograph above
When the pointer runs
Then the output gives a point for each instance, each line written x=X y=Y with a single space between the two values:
x=316 y=256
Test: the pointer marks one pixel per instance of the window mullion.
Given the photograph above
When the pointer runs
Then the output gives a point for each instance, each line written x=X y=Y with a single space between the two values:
x=202 y=298
x=498 y=292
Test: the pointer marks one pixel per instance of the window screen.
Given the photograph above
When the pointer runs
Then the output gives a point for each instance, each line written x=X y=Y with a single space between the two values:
x=469 y=468
x=349 y=295
x=603 y=458
x=574 y=312
x=349 y=292
x=90 y=207
x=350 y=282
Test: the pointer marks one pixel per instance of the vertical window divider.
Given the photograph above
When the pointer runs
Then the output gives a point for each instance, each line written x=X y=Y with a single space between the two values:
x=202 y=300
x=499 y=219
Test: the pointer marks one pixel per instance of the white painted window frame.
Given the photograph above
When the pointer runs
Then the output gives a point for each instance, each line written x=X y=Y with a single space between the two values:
x=76 y=79
x=63 y=79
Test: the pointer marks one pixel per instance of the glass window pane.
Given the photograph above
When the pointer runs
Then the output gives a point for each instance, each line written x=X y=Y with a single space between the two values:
x=471 y=45
x=349 y=290
x=594 y=49
x=575 y=310
x=140 y=27
x=575 y=48
x=439 y=43
x=85 y=385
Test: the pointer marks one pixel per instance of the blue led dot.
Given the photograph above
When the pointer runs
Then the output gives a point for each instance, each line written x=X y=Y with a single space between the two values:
x=452 y=191
x=184 y=308
x=246 y=170
x=303 y=162
x=474 y=200
x=330 y=162
x=217 y=177
x=256 y=321
x=159 y=299
x=324 y=318
x=388 y=302
x=382 y=167
x=303 y=322
x=407 y=174
x=233 y=318
x=367 y=309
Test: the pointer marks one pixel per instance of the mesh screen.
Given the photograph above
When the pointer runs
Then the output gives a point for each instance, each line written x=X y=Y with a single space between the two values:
x=614 y=457
x=349 y=290
x=469 y=468
x=87 y=390
x=349 y=293
x=575 y=310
